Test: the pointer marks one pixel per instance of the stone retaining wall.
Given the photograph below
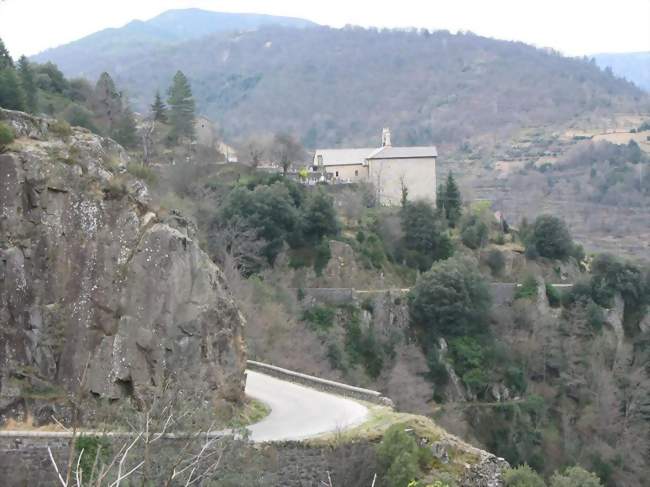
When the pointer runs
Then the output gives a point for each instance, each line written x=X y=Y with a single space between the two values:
x=320 y=384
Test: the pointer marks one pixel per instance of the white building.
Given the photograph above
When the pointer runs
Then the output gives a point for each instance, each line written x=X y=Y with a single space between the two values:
x=388 y=168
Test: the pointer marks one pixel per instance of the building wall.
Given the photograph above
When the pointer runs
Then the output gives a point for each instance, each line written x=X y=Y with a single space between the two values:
x=349 y=172
x=418 y=174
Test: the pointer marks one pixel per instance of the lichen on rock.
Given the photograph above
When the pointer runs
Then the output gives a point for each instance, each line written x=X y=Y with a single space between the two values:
x=91 y=274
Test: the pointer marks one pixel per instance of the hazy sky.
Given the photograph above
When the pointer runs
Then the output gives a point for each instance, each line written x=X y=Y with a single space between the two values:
x=574 y=27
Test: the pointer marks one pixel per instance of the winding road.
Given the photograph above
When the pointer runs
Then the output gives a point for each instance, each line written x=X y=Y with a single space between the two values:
x=299 y=412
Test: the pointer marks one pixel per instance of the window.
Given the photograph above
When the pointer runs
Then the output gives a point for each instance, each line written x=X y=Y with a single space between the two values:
x=356 y=172
x=320 y=160
x=337 y=174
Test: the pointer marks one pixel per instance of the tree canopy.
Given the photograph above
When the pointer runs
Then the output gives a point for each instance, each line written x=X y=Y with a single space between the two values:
x=181 y=108
x=425 y=240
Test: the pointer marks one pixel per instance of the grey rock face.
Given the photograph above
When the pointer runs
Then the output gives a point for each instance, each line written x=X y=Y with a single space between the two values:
x=90 y=274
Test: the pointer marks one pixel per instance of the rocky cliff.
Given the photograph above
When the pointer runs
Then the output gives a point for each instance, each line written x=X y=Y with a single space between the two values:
x=91 y=277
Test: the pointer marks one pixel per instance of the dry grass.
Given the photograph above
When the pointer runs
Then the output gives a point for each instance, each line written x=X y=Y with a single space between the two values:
x=28 y=425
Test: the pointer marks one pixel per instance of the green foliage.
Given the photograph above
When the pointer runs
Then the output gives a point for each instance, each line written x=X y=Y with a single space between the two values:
x=60 y=128
x=474 y=232
x=611 y=275
x=94 y=448
x=528 y=288
x=469 y=362
x=319 y=217
x=452 y=299
x=595 y=316
x=181 y=108
x=553 y=295
x=362 y=346
x=5 y=57
x=449 y=200
x=12 y=95
x=125 y=131
x=322 y=256
x=401 y=460
x=159 y=109
x=425 y=240
x=28 y=83
x=372 y=252
x=550 y=238
x=79 y=116
x=269 y=210
x=403 y=470
x=142 y=172
x=575 y=477
x=6 y=136
x=522 y=476
x=495 y=261
x=320 y=317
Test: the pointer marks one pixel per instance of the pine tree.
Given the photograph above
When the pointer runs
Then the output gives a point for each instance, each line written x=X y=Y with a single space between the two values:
x=28 y=83
x=5 y=58
x=159 y=109
x=12 y=95
x=181 y=108
x=107 y=103
x=125 y=130
x=452 y=201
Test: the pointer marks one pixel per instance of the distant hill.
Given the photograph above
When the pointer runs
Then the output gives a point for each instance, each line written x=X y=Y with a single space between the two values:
x=633 y=66
x=86 y=56
x=338 y=87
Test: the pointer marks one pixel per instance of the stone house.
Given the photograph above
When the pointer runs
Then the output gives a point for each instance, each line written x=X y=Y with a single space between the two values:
x=388 y=168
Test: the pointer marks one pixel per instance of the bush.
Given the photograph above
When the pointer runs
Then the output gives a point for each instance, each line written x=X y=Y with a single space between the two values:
x=322 y=256
x=425 y=240
x=452 y=299
x=474 y=233
x=553 y=295
x=496 y=262
x=398 y=456
x=320 y=317
x=142 y=172
x=522 y=476
x=527 y=289
x=60 y=128
x=7 y=136
x=93 y=447
x=551 y=238
x=575 y=477
x=595 y=316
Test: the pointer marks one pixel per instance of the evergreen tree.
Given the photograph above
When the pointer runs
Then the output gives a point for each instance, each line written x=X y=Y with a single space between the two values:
x=28 y=83
x=11 y=93
x=159 y=109
x=452 y=201
x=107 y=103
x=5 y=58
x=125 y=129
x=181 y=108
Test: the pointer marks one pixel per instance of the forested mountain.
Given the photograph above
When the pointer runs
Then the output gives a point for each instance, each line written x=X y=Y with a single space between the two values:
x=340 y=86
x=88 y=55
x=633 y=66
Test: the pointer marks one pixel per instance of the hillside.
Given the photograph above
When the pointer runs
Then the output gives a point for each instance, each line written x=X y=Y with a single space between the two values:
x=633 y=66
x=139 y=37
x=340 y=86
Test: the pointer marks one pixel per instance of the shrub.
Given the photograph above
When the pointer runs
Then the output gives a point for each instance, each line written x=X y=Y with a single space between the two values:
x=452 y=299
x=522 y=476
x=425 y=240
x=398 y=456
x=527 y=289
x=7 y=136
x=142 y=172
x=553 y=295
x=322 y=256
x=320 y=317
x=496 y=262
x=551 y=238
x=93 y=447
x=595 y=316
x=474 y=232
x=575 y=477
x=60 y=128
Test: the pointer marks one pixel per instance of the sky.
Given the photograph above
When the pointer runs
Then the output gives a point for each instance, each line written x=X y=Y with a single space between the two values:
x=573 y=27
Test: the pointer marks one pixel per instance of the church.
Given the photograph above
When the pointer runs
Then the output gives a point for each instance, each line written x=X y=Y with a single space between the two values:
x=387 y=167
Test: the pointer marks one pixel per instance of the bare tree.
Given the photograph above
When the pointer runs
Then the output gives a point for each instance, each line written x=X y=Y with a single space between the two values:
x=287 y=151
x=253 y=151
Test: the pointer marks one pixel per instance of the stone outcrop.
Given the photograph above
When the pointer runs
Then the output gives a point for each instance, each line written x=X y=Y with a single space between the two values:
x=91 y=274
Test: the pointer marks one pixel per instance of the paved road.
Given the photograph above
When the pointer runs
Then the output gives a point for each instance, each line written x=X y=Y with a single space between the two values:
x=298 y=412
